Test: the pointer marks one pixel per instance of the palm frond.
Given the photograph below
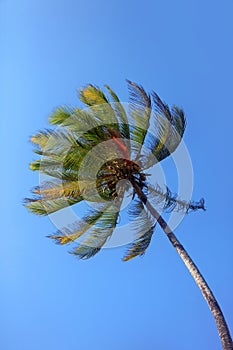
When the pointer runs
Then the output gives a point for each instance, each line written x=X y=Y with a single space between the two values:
x=62 y=151
x=99 y=106
x=101 y=110
x=54 y=195
x=156 y=139
x=171 y=202
x=163 y=123
x=60 y=115
x=144 y=227
x=73 y=232
x=53 y=141
x=140 y=245
x=161 y=107
x=91 y=95
x=80 y=120
x=41 y=138
x=120 y=114
x=53 y=169
x=98 y=234
x=47 y=165
x=179 y=119
x=45 y=207
x=76 y=120
x=54 y=166
x=166 y=131
x=140 y=111
x=56 y=189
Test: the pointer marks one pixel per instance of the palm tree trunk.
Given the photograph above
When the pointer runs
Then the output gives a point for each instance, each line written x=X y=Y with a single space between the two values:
x=199 y=279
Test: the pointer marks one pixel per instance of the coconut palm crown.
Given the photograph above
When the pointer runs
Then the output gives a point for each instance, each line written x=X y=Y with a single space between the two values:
x=96 y=154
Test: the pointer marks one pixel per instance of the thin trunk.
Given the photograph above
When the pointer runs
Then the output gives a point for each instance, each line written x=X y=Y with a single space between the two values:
x=199 y=279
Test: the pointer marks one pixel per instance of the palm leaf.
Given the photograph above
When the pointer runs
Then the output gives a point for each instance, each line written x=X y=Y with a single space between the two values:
x=140 y=111
x=98 y=234
x=102 y=111
x=168 y=128
x=171 y=202
x=144 y=227
x=121 y=115
x=164 y=134
x=92 y=95
x=56 y=189
x=179 y=119
x=80 y=121
x=54 y=166
x=60 y=115
x=72 y=233
x=161 y=107
x=41 y=138
x=48 y=165
x=62 y=151
x=53 y=142
x=45 y=207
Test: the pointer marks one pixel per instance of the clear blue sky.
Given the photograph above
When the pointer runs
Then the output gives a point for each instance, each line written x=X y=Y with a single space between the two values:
x=183 y=50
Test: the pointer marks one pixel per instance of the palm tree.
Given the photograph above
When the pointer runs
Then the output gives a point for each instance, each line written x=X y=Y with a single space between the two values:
x=96 y=154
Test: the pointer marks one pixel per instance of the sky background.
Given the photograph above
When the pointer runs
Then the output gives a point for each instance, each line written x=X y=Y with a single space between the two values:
x=184 y=51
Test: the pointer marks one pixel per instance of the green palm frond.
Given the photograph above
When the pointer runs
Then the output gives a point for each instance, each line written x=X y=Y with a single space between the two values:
x=45 y=207
x=140 y=245
x=72 y=233
x=179 y=119
x=56 y=166
x=48 y=165
x=98 y=234
x=53 y=141
x=140 y=111
x=161 y=107
x=41 y=138
x=60 y=115
x=78 y=121
x=144 y=227
x=100 y=108
x=121 y=115
x=168 y=128
x=92 y=95
x=62 y=151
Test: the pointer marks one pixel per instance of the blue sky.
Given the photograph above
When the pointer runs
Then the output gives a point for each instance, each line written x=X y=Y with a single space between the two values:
x=183 y=50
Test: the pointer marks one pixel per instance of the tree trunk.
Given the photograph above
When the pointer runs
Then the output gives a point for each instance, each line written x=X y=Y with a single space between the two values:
x=199 y=279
